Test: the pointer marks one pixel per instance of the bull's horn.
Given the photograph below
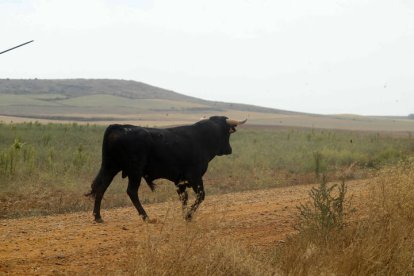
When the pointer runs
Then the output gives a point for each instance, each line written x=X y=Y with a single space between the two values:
x=234 y=122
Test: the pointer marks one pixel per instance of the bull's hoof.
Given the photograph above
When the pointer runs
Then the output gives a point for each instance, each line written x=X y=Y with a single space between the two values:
x=99 y=220
x=151 y=221
x=188 y=217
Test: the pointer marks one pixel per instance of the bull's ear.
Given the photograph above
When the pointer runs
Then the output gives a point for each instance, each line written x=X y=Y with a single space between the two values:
x=232 y=129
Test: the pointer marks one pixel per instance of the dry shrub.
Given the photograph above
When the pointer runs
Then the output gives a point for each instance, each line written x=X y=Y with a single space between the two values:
x=181 y=248
x=384 y=242
x=325 y=211
x=381 y=242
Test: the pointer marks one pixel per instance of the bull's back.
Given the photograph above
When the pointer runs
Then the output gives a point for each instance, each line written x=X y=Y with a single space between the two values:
x=125 y=144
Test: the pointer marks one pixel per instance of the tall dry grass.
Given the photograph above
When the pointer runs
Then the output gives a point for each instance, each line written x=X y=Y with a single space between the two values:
x=379 y=241
x=194 y=251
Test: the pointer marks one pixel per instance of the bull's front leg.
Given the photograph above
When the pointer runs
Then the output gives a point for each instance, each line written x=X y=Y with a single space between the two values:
x=198 y=188
x=182 y=194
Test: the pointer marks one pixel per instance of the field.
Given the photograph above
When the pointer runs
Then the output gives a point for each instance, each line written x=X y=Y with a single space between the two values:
x=40 y=176
x=250 y=223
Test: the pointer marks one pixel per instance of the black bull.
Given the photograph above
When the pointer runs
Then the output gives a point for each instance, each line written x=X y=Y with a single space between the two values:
x=179 y=154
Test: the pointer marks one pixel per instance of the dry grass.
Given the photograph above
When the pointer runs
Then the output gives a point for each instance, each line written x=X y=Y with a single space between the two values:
x=378 y=242
x=198 y=250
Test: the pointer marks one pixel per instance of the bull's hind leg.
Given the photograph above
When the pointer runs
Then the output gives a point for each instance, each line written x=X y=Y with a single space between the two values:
x=132 y=191
x=198 y=188
x=99 y=186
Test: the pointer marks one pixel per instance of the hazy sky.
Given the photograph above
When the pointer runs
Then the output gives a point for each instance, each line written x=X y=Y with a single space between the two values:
x=320 y=56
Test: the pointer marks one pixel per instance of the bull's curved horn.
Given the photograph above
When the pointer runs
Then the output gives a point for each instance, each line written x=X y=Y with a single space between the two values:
x=234 y=122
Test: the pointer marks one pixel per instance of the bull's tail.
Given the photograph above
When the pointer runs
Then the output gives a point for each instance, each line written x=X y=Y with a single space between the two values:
x=95 y=184
x=99 y=179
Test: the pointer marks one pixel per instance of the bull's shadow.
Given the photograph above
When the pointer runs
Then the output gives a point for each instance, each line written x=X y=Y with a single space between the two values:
x=179 y=154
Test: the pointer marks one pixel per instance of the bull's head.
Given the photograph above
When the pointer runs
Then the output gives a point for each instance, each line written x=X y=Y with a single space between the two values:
x=228 y=127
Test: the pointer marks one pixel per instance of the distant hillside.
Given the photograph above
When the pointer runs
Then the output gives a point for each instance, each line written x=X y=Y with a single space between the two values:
x=132 y=90
x=106 y=101
x=82 y=87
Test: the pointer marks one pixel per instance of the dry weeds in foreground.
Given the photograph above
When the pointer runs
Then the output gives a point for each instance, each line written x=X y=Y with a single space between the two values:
x=196 y=251
x=380 y=243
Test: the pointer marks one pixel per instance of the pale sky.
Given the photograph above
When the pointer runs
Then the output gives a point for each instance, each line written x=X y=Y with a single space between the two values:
x=320 y=56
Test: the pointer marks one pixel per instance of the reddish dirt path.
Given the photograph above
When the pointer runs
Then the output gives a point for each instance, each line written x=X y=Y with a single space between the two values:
x=72 y=243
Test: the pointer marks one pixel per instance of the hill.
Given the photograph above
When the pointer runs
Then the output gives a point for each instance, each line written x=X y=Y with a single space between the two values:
x=118 y=92
x=107 y=100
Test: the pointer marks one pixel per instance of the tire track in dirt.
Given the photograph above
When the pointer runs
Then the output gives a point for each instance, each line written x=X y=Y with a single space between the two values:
x=73 y=243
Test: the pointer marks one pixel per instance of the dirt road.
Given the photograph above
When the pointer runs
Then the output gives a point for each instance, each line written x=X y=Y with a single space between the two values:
x=73 y=243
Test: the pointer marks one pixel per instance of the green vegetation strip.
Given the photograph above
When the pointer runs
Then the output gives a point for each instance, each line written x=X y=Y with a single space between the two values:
x=46 y=168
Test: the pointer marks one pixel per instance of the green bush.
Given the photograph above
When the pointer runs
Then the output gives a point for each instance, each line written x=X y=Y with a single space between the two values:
x=325 y=211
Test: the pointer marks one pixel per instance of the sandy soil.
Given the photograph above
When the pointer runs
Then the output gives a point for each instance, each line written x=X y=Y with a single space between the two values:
x=73 y=243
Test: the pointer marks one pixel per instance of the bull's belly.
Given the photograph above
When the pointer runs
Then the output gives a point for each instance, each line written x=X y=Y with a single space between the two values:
x=173 y=177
